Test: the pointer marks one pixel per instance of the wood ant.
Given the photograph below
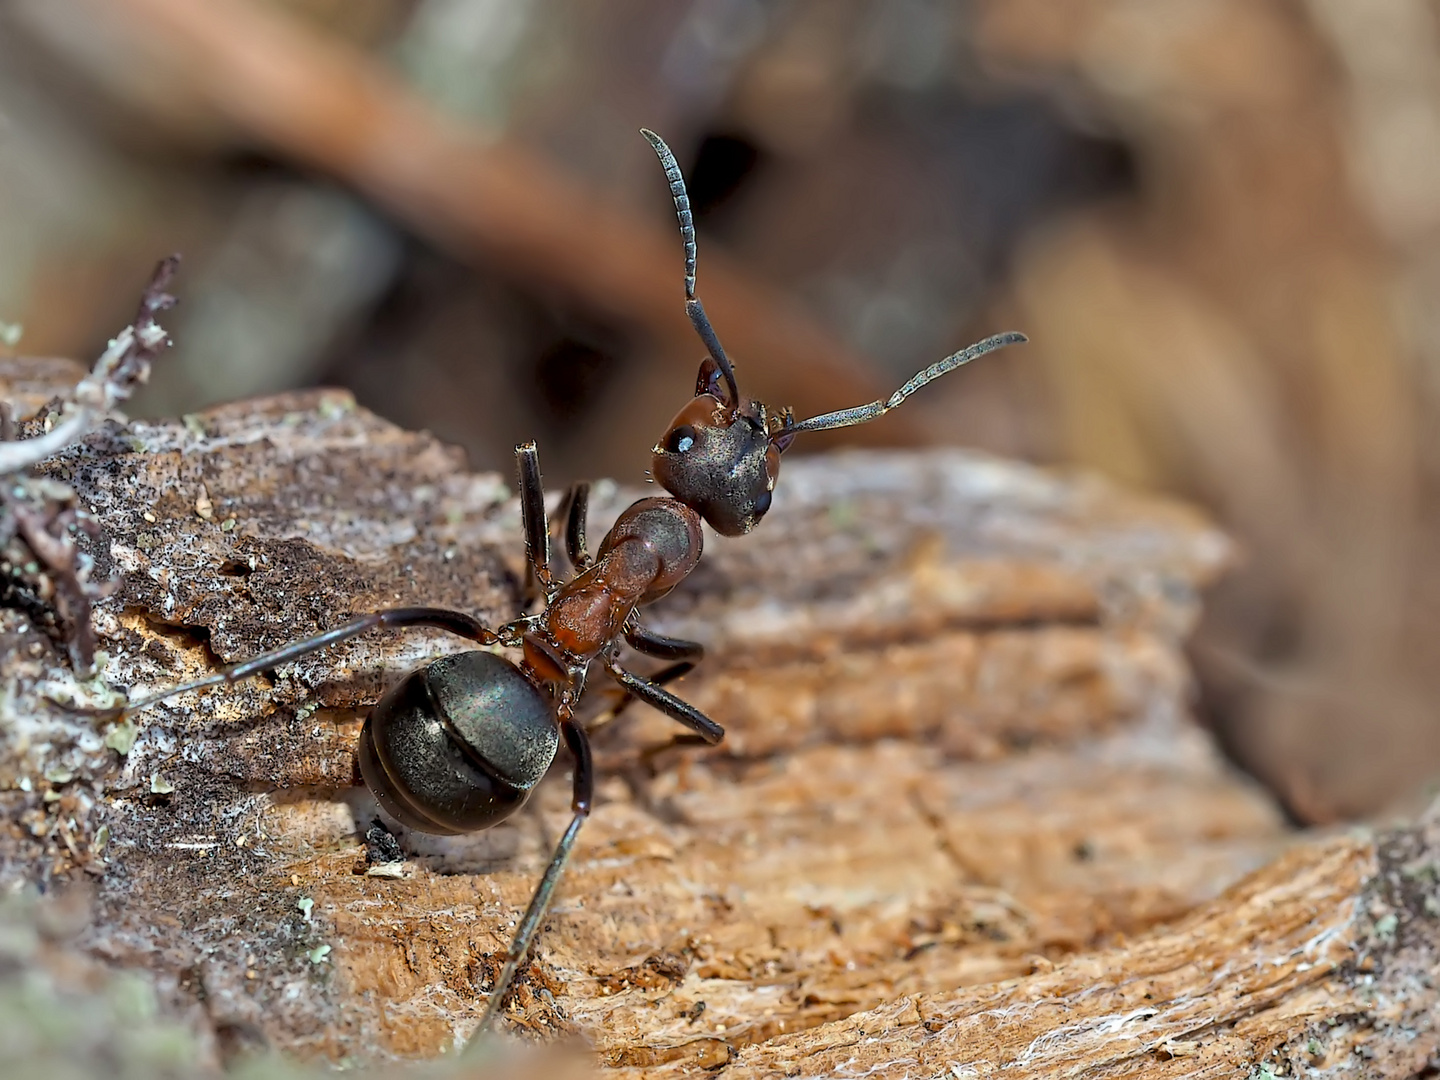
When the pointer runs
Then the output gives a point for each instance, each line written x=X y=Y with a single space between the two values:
x=459 y=744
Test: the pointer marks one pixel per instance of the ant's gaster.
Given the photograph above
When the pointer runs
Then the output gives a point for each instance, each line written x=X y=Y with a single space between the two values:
x=459 y=745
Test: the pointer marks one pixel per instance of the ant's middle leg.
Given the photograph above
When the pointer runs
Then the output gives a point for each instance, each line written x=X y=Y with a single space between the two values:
x=660 y=678
x=455 y=622
x=583 y=797
x=682 y=712
x=647 y=641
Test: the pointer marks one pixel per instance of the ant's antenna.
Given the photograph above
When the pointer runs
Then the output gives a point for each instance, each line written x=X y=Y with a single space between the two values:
x=693 y=307
x=863 y=414
x=682 y=205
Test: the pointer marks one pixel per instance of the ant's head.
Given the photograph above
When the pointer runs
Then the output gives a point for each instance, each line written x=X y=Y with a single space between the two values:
x=721 y=454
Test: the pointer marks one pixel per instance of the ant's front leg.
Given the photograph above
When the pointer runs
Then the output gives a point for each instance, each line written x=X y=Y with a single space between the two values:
x=532 y=517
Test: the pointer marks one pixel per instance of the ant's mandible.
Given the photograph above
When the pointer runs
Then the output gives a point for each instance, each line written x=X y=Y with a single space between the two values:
x=459 y=744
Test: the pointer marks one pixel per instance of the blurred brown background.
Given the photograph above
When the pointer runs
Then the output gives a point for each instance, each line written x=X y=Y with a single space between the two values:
x=1218 y=220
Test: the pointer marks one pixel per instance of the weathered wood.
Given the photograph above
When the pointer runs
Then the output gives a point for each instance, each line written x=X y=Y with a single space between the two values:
x=1319 y=962
x=960 y=820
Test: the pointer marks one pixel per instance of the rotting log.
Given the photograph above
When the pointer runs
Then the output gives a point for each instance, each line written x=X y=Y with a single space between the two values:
x=960 y=822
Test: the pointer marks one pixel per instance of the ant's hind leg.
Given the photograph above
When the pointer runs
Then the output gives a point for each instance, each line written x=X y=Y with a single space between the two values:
x=584 y=793
x=454 y=622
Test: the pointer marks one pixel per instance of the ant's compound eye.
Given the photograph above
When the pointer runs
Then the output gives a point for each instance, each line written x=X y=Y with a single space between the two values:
x=680 y=439
x=762 y=504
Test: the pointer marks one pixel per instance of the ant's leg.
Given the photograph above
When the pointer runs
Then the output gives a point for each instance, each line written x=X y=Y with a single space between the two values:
x=662 y=647
x=456 y=622
x=576 y=513
x=584 y=792
x=660 y=678
x=532 y=515
x=681 y=712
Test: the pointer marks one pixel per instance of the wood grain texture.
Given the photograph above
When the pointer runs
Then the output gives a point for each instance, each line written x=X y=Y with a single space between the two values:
x=960 y=823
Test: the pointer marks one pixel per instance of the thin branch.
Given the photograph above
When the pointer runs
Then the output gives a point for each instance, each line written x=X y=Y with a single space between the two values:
x=122 y=367
x=43 y=513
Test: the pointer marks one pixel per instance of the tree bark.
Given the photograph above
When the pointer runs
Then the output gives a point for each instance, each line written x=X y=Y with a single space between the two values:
x=961 y=820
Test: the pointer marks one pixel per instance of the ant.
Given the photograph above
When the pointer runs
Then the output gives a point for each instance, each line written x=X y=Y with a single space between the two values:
x=459 y=744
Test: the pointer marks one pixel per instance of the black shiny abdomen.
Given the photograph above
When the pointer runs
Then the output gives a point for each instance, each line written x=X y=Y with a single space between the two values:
x=458 y=745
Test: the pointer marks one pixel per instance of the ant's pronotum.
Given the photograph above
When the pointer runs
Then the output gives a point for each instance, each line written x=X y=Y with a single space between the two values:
x=459 y=744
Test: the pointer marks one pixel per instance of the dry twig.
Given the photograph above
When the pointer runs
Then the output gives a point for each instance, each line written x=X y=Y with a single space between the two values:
x=39 y=517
